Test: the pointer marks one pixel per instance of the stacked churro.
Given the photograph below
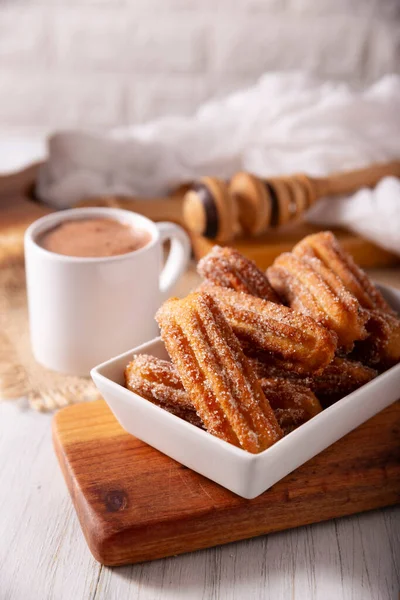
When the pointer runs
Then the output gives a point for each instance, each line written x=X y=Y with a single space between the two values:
x=254 y=355
x=215 y=373
x=226 y=267
x=158 y=381
x=291 y=340
x=318 y=278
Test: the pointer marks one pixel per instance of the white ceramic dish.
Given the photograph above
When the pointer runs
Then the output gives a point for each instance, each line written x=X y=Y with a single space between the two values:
x=248 y=475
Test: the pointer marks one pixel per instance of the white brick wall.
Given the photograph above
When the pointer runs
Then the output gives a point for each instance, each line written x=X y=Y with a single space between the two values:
x=101 y=63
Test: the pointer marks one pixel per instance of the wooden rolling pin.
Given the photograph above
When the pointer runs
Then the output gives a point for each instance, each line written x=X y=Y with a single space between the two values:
x=250 y=205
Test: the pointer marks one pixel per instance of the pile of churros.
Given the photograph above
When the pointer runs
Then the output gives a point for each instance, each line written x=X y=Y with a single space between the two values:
x=254 y=355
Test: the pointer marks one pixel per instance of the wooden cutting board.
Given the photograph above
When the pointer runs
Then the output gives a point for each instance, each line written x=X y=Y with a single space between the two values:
x=136 y=504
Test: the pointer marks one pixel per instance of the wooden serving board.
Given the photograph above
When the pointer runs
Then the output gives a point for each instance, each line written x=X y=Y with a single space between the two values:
x=136 y=504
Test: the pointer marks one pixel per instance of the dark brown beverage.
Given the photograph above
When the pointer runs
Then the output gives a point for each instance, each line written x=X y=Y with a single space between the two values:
x=93 y=238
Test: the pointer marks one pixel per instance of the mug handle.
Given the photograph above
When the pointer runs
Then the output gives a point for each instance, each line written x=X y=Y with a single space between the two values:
x=178 y=256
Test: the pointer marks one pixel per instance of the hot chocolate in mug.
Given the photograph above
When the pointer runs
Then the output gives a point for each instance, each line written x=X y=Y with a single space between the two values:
x=83 y=311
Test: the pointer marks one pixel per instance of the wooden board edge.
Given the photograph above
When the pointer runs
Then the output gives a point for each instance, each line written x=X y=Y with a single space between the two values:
x=150 y=550
x=95 y=534
x=116 y=547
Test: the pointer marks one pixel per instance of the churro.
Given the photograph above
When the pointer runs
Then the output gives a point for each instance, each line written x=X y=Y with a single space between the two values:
x=216 y=375
x=308 y=286
x=158 y=381
x=341 y=377
x=381 y=349
x=293 y=342
x=382 y=346
x=228 y=268
x=292 y=403
x=327 y=249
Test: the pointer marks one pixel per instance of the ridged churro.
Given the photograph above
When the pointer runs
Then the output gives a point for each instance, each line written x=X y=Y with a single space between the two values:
x=216 y=375
x=341 y=377
x=292 y=403
x=382 y=346
x=327 y=249
x=294 y=342
x=381 y=349
x=308 y=286
x=228 y=268
x=158 y=381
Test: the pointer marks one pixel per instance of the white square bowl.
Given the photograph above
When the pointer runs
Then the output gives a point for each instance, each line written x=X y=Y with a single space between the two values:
x=248 y=475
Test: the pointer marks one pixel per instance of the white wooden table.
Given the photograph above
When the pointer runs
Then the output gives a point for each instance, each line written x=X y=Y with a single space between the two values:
x=43 y=555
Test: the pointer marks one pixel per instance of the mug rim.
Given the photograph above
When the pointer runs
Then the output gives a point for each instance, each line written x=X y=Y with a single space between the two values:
x=54 y=219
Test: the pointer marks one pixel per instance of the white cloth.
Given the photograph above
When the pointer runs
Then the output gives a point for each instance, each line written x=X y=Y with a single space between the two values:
x=286 y=123
x=374 y=214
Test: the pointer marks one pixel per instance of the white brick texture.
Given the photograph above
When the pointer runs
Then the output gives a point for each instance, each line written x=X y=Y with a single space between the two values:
x=24 y=36
x=160 y=95
x=54 y=101
x=90 y=40
x=103 y=63
x=167 y=46
x=334 y=51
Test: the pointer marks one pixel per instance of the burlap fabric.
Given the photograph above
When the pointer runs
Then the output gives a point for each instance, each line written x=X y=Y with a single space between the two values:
x=20 y=374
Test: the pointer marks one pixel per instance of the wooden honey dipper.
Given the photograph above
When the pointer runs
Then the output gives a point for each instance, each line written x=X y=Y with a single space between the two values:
x=250 y=205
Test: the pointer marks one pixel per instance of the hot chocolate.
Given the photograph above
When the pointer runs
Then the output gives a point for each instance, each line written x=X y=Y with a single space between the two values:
x=93 y=238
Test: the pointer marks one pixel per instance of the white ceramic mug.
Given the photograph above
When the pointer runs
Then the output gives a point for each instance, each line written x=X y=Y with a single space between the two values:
x=83 y=311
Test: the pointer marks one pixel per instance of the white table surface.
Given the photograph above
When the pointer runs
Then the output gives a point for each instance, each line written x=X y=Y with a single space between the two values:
x=43 y=555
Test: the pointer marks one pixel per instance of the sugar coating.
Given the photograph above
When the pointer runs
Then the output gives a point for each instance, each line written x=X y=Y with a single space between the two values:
x=308 y=286
x=326 y=248
x=228 y=268
x=215 y=373
x=292 y=403
x=293 y=341
x=381 y=347
x=158 y=381
x=341 y=377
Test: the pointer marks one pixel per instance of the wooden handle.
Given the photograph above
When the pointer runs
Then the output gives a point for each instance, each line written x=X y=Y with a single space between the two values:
x=351 y=181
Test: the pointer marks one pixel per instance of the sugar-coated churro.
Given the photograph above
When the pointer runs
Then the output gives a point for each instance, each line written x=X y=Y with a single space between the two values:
x=216 y=375
x=381 y=349
x=382 y=346
x=292 y=403
x=327 y=249
x=307 y=285
x=228 y=268
x=341 y=377
x=158 y=381
x=294 y=342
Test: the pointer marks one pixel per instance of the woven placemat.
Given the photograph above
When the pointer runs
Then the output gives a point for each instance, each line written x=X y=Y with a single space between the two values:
x=20 y=374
